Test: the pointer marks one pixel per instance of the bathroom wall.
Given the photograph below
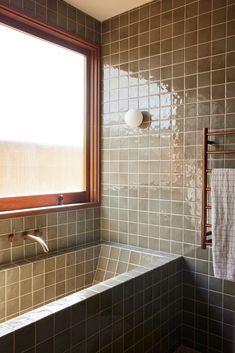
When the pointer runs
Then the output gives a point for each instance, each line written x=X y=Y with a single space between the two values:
x=59 y=13
x=61 y=230
x=176 y=60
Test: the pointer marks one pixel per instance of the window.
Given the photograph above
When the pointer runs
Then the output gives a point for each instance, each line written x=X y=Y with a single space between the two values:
x=49 y=136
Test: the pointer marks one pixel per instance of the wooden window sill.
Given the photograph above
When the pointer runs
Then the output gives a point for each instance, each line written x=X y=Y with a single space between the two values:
x=47 y=209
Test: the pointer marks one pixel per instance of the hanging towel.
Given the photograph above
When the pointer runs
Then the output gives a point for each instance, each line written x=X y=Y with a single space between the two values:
x=223 y=222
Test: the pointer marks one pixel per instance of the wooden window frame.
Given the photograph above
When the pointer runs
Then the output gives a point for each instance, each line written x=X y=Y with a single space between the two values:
x=28 y=205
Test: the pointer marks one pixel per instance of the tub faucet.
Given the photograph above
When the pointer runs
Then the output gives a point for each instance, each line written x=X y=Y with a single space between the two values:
x=36 y=237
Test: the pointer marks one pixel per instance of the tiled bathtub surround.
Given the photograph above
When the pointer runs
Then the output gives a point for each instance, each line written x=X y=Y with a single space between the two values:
x=114 y=260
x=31 y=284
x=176 y=60
x=139 y=311
x=62 y=230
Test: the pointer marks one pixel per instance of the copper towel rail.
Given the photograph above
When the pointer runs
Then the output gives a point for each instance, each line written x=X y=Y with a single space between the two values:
x=205 y=170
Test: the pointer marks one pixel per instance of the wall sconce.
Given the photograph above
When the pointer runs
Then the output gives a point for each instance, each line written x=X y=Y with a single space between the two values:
x=134 y=118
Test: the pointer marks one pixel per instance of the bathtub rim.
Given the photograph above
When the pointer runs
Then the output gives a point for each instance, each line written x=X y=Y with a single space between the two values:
x=52 y=308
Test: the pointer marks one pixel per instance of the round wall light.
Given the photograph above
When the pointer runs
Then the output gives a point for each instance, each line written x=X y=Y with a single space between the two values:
x=133 y=118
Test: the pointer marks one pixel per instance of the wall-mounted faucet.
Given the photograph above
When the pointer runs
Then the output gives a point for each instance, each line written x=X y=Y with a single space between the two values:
x=35 y=237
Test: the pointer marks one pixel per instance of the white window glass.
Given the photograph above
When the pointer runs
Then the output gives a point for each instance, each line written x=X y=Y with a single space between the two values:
x=42 y=116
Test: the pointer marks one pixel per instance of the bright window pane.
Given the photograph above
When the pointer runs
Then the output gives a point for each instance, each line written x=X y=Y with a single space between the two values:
x=42 y=114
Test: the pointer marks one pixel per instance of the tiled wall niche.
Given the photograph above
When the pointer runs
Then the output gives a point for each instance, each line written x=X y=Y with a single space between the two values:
x=62 y=230
x=176 y=60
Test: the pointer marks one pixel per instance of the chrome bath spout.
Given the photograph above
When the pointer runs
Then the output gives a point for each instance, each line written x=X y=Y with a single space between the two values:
x=38 y=240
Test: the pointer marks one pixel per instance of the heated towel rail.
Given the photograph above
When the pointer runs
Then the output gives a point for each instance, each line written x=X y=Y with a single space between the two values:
x=205 y=170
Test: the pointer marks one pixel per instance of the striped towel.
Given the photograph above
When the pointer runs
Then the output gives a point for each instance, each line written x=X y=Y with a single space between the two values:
x=223 y=222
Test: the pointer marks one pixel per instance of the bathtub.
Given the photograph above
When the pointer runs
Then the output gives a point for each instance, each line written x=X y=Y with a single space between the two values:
x=100 y=298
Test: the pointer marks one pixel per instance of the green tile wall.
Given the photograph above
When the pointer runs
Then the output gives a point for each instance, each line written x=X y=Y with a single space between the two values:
x=59 y=13
x=174 y=59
